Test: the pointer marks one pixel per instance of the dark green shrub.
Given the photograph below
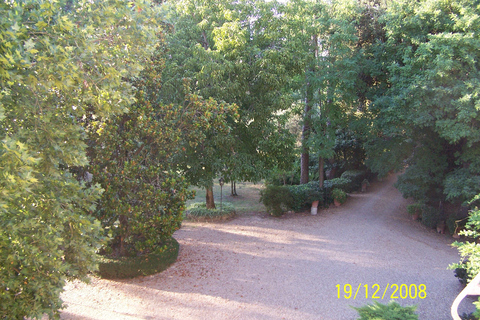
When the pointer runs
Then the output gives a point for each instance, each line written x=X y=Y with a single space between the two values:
x=303 y=195
x=356 y=178
x=430 y=216
x=390 y=311
x=339 y=195
x=338 y=183
x=199 y=212
x=461 y=274
x=142 y=265
x=277 y=199
x=300 y=197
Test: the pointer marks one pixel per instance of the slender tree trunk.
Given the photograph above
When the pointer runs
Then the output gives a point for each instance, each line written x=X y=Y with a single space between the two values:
x=304 y=173
x=305 y=157
x=234 y=189
x=321 y=178
x=209 y=198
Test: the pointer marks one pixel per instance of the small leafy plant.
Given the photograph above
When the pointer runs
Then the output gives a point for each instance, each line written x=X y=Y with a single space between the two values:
x=469 y=250
x=415 y=208
x=390 y=311
x=339 y=195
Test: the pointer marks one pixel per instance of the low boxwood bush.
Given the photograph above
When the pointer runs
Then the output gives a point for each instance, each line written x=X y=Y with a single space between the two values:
x=142 y=265
x=303 y=195
x=390 y=311
x=338 y=183
x=199 y=212
x=277 y=199
x=356 y=178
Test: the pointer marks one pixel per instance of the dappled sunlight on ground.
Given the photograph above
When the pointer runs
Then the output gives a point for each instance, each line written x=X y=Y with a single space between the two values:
x=260 y=267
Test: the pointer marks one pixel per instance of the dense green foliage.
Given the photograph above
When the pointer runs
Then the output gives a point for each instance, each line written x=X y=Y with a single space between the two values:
x=277 y=199
x=304 y=194
x=429 y=115
x=54 y=69
x=140 y=159
x=390 y=311
x=95 y=98
x=233 y=52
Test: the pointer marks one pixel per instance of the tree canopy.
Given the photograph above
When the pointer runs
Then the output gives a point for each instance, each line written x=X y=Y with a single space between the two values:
x=110 y=110
x=57 y=60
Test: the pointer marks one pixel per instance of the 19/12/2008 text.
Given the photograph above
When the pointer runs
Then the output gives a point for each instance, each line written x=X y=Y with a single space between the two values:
x=391 y=291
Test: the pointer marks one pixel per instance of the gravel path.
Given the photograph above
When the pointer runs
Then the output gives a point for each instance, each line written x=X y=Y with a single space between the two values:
x=258 y=267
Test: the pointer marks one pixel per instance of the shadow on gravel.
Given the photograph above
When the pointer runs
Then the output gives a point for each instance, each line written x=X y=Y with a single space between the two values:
x=303 y=266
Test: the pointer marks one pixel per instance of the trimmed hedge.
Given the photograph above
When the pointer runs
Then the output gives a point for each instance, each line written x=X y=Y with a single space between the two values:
x=304 y=194
x=338 y=183
x=144 y=265
x=199 y=212
x=278 y=199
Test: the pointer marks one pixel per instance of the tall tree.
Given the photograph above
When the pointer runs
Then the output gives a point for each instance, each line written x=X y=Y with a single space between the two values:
x=429 y=115
x=328 y=86
x=57 y=59
x=302 y=33
x=233 y=52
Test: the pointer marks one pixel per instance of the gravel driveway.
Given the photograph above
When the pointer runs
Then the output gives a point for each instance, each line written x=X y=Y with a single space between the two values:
x=259 y=267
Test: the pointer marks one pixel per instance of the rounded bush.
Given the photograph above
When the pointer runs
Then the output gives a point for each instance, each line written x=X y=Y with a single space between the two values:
x=142 y=265
x=277 y=199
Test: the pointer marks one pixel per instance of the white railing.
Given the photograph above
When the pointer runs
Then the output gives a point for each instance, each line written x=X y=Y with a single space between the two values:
x=472 y=289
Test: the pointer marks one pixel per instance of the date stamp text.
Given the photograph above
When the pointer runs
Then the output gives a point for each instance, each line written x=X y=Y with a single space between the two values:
x=390 y=291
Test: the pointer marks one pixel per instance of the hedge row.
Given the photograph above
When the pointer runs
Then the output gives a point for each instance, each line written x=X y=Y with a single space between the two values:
x=278 y=199
x=199 y=212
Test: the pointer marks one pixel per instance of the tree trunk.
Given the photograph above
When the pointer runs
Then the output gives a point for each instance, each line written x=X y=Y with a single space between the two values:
x=234 y=189
x=209 y=198
x=321 y=176
x=304 y=167
x=305 y=158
